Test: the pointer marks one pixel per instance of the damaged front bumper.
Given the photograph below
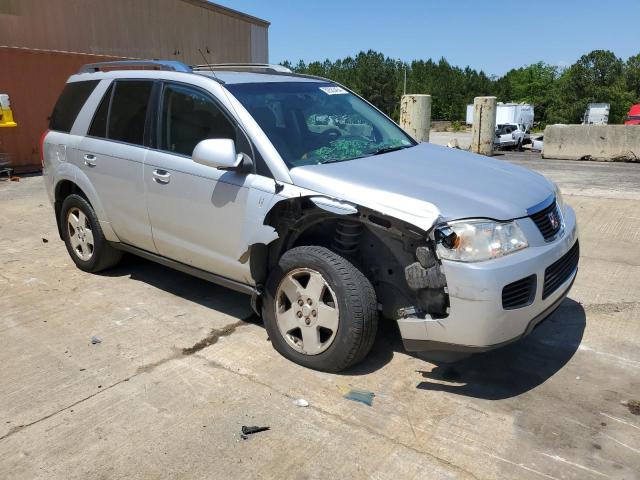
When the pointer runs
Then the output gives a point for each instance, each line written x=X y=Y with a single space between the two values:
x=477 y=318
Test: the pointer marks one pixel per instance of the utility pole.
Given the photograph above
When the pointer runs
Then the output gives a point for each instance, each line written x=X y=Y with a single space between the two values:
x=404 y=90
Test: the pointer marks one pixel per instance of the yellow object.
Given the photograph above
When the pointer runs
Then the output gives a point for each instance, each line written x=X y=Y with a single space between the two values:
x=6 y=118
x=6 y=115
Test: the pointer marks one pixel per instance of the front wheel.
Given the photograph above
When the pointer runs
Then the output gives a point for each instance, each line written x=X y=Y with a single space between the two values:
x=320 y=310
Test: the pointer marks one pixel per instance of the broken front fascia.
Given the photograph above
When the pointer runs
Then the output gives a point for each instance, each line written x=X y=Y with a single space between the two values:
x=414 y=218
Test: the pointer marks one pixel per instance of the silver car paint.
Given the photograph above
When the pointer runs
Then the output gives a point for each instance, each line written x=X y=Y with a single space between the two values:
x=476 y=317
x=454 y=183
x=421 y=186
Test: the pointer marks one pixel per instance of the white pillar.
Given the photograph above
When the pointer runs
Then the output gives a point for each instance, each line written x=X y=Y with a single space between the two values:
x=415 y=116
x=483 y=131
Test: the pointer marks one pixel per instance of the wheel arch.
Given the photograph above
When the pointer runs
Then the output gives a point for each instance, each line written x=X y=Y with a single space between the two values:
x=386 y=245
x=80 y=184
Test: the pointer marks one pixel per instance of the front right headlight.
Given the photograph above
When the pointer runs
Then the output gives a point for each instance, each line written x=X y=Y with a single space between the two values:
x=478 y=240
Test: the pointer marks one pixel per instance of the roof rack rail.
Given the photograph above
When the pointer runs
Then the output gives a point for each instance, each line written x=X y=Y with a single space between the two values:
x=170 y=65
x=243 y=67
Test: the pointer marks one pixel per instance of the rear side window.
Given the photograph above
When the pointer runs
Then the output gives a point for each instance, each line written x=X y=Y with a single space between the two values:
x=99 y=124
x=128 y=111
x=68 y=106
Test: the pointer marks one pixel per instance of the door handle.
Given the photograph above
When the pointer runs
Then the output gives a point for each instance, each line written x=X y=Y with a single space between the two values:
x=89 y=160
x=161 y=176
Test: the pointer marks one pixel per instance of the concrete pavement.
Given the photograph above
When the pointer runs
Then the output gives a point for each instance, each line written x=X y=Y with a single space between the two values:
x=183 y=364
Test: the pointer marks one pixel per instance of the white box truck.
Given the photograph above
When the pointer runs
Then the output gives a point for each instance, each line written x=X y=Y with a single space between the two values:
x=516 y=113
x=596 y=114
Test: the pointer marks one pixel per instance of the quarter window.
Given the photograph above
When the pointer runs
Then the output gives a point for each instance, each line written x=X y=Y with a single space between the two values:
x=71 y=100
x=128 y=111
x=188 y=117
x=99 y=124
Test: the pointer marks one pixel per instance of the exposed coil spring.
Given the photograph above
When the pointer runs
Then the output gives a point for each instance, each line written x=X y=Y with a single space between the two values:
x=346 y=240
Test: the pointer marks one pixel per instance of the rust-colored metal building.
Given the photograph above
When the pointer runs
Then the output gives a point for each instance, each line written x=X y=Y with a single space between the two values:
x=43 y=42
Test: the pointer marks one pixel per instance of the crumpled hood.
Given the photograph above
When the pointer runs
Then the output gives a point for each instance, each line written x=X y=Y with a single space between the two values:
x=426 y=181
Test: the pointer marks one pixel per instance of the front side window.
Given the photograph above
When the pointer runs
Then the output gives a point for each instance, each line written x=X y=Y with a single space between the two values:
x=129 y=110
x=188 y=117
x=318 y=122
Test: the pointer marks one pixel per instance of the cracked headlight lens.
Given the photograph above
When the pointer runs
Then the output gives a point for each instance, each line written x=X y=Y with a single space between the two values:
x=479 y=240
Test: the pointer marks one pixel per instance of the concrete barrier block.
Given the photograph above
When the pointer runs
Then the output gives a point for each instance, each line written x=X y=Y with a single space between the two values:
x=592 y=142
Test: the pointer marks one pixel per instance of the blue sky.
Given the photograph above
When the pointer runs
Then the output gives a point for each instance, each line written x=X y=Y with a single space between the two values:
x=490 y=35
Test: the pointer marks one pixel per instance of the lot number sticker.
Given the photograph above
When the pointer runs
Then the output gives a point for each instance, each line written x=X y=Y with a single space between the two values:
x=333 y=90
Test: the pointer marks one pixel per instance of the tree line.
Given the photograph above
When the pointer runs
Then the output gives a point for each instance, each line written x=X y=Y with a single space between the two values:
x=560 y=95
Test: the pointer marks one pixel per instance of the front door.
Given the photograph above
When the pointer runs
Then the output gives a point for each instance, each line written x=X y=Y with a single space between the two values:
x=199 y=215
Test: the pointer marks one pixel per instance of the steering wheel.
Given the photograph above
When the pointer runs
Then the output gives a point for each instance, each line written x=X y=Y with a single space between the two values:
x=332 y=134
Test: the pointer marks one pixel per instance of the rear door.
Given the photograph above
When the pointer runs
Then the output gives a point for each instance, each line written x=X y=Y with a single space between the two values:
x=198 y=213
x=112 y=156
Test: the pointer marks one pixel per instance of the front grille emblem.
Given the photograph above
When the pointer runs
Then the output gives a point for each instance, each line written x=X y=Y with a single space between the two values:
x=553 y=219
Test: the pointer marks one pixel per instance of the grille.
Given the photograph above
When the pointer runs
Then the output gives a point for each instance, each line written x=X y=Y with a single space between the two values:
x=558 y=272
x=519 y=293
x=543 y=219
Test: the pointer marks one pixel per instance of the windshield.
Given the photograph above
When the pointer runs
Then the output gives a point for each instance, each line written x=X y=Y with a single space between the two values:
x=318 y=122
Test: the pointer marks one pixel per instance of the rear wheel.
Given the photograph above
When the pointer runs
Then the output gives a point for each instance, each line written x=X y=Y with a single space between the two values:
x=320 y=310
x=82 y=235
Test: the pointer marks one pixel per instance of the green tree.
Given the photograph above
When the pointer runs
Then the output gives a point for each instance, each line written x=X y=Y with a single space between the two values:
x=559 y=96
x=596 y=77
x=632 y=74
x=531 y=84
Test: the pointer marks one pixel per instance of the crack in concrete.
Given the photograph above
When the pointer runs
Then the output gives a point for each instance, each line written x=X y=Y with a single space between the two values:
x=340 y=419
x=214 y=336
x=210 y=339
x=19 y=428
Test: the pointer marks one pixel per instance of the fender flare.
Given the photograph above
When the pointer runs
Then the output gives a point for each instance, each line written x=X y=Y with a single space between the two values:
x=80 y=179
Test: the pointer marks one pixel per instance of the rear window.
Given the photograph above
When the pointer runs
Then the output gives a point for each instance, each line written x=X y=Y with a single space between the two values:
x=68 y=106
x=129 y=111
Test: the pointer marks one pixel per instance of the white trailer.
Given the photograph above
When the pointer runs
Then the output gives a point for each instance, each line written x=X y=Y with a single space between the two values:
x=596 y=114
x=518 y=113
x=469 y=119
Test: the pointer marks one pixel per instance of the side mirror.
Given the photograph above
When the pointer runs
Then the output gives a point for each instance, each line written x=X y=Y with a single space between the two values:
x=218 y=153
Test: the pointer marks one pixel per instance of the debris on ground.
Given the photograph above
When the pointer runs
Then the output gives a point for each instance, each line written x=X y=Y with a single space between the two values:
x=362 y=396
x=45 y=240
x=301 y=402
x=15 y=179
x=634 y=406
x=246 y=431
x=95 y=340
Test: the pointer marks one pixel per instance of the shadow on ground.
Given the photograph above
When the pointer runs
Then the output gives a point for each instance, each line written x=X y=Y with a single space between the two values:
x=183 y=285
x=516 y=368
x=502 y=373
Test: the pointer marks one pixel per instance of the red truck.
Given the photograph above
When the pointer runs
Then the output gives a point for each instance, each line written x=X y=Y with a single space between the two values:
x=634 y=115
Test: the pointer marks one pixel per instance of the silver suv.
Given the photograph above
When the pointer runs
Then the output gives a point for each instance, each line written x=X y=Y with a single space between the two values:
x=295 y=190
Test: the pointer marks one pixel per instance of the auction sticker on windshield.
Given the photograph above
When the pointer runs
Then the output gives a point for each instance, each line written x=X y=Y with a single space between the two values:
x=333 y=90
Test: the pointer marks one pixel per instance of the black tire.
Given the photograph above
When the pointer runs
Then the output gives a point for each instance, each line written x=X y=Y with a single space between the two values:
x=104 y=255
x=519 y=146
x=356 y=299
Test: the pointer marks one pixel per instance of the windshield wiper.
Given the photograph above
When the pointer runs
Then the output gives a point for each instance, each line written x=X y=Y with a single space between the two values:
x=333 y=160
x=379 y=151
x=382 y=150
